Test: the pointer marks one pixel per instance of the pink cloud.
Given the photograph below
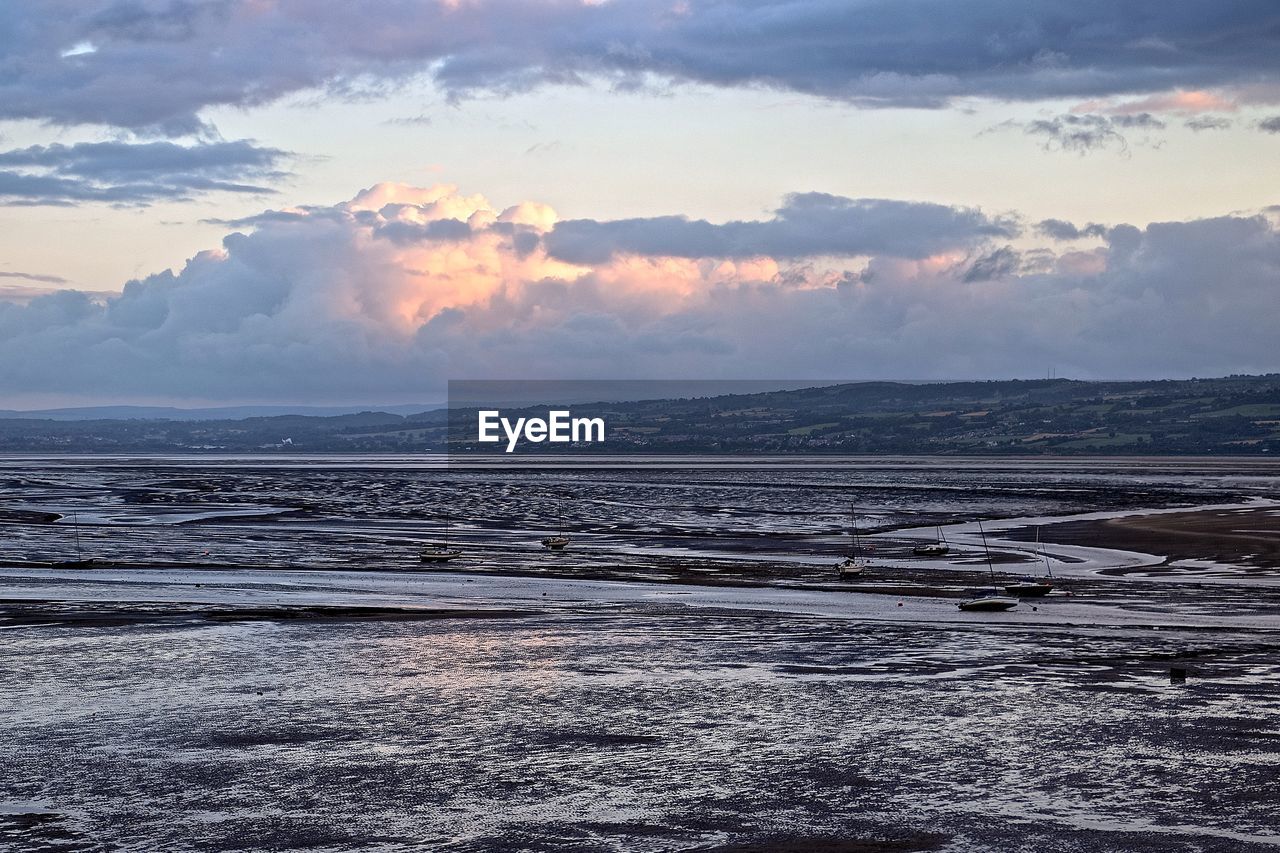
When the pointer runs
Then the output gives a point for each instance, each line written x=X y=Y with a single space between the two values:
x=1183 y=102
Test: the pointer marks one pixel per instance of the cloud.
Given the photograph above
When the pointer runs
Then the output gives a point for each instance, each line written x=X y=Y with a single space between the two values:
x=1200 y=123
x=1141 y=121
x=30 y=276
x=1180 y=102
x=419 y=120
x=1270 y=125
x=1058 y=229
x=334 y=304
x=1001 y=263
x=135 y=173
x=1084 y=133
x=807 y=225
x=156 y=64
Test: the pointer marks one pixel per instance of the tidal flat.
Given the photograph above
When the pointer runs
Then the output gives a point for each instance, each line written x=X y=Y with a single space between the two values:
x=260 y=663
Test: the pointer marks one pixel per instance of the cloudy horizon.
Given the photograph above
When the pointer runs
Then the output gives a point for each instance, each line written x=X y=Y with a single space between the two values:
x=249 y=201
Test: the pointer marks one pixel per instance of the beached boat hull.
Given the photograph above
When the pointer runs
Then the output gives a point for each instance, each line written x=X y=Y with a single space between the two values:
x=850 y=569
x=989 y=603
x=1029 y=589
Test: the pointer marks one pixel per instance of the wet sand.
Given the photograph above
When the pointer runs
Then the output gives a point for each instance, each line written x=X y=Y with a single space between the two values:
x=1244 y=538
x=646 y=728
x=267 y=666
x=81 y=614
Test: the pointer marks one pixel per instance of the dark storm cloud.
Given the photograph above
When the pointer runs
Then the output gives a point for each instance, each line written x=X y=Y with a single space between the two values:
x=150 y=63
x=135 y=173
x=807 y=225
x=1270 y=125
x=1058 y=229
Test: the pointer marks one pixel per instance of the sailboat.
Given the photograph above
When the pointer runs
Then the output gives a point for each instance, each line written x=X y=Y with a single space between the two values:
x=440 y=552
x=559 y=541
x=81 y=561
x=1030 y=586
x=992 y=600
x=937 y=548
x=854 y=565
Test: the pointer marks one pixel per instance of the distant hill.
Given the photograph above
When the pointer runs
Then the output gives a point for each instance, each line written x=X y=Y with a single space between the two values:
x=1231 y=415
x=174 y=413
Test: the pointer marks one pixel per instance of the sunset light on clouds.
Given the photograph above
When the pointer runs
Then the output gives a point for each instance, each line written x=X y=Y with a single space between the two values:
x=628 y=188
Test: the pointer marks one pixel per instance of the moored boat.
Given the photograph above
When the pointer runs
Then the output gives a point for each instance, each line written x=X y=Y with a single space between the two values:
x=938 y=548
x=559 y=541
x=993 y=600
x=440 y=552
x=1029 y=586
x=854 y=565
x=555 y=543
x=989 y=601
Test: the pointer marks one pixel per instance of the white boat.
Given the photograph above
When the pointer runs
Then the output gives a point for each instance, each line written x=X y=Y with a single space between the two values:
x=995 y=599
x=854 y=565
x=990 y=601
x=559 y=541
x=440 y=552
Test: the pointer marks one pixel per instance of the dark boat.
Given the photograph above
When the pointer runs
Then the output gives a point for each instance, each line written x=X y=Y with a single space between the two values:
x=1029 y=587
x=940 y=548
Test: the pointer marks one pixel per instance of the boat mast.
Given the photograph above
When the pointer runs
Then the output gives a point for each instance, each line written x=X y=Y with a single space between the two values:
x=990 y=566
x=1043 y=556
x=853 y=520
x=75 y=521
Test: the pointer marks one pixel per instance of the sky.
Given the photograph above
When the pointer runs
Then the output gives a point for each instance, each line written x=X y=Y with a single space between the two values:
x=305 y=201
